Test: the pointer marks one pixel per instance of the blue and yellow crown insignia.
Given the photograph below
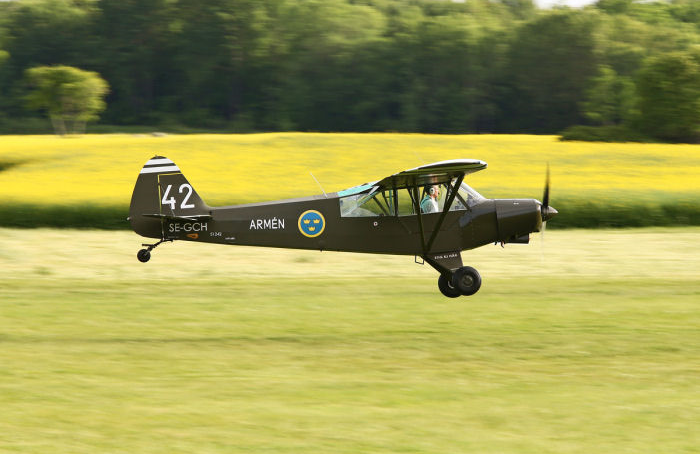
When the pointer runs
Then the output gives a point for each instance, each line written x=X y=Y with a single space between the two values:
x=311 y=223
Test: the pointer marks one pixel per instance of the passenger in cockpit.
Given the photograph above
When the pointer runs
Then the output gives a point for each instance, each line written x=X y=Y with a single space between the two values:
x=429 y=204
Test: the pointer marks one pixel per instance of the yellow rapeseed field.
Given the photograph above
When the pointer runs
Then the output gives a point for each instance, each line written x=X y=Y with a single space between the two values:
x=229 y=169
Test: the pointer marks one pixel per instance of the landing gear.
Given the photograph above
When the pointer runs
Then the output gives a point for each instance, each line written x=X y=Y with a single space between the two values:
x=467 y=280
x=446 y=287
x=144 y=255
x=464 y=281
x=455 y=280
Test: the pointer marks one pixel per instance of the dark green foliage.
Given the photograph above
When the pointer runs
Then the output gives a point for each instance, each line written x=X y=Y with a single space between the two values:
x=4 y=165
x=68 y=216
x=615 y=133
x=69 y=95
x=550 y=63
x=610 y=99
x=381 y=65
x=614 y=6
x=669 y=97
x=24 y=125
x=611 y=213
x=572 y=214
x=136 y=45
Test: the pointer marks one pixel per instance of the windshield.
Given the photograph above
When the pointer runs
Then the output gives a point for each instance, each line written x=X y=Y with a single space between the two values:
x=468 y=195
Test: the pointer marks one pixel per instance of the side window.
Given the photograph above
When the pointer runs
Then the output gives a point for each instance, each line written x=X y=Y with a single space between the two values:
x=385 y=201
x=380 y=203
x=349 y=207
x=406 y=207
x=390 y=202
x=405 y=202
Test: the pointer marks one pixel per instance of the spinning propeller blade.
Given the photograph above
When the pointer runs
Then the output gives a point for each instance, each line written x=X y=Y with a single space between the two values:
x=547 y=211
x=545 y=197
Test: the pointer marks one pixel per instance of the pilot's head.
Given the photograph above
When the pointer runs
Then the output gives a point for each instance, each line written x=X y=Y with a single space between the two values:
x=433 y=190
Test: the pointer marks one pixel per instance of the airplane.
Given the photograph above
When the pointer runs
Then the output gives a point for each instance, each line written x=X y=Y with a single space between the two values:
x=428 y=212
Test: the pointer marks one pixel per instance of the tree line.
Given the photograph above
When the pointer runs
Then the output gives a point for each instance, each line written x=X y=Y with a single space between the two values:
x=478 y=66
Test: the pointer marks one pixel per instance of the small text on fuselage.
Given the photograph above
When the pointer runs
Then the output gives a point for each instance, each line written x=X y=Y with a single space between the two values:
x=187 y=227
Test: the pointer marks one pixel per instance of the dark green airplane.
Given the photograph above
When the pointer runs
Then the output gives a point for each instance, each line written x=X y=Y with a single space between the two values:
x=428 y=212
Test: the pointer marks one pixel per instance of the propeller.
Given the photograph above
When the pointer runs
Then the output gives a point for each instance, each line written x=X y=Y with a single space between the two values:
x=545 y=197
x=546 y=211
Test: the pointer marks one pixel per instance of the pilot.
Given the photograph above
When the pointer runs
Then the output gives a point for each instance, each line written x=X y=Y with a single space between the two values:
x=429 y=204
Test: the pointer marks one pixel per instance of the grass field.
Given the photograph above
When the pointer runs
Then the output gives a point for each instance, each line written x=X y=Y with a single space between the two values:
x=87 y=181
x=588 y=345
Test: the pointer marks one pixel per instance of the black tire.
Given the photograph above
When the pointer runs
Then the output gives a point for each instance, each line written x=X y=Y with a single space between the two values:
x=144 y=255
x=446 y=287
x=467 y=280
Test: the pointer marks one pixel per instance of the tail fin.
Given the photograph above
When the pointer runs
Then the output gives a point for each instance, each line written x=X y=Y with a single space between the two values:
x=162 y=192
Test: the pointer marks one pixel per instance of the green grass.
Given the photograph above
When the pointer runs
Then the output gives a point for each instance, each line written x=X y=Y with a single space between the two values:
x=589 y=344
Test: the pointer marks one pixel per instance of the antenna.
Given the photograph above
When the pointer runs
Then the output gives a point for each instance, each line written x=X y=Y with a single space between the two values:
x=319 y=184
x=420 y=159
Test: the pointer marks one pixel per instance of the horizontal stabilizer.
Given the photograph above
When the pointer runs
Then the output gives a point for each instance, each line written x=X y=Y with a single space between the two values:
x=196 y=217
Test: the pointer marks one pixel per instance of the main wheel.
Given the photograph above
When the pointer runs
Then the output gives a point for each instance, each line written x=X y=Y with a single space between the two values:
x=446 y=287
x=467 y=280
x=144 y=255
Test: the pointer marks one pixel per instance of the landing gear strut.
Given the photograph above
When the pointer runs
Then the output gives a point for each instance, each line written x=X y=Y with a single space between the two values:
x=464 y=281
x=144 y=255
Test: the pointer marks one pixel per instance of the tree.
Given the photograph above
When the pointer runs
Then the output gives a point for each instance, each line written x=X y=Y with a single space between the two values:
x=136 y=46
x=614 y=6
x=551 y=61
x=3 y=57
x=70 y=95
x=669 y=97
x=610 y=99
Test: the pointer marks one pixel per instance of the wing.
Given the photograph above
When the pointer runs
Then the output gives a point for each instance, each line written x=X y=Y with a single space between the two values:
x=435 y=173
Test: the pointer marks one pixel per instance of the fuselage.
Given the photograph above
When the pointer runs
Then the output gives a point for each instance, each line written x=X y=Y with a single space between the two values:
x=316 y=223
x=428 y=211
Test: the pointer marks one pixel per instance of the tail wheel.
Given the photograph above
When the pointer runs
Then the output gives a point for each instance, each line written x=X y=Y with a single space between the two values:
x=144 y=255
x=446 y=287
x=466 y=280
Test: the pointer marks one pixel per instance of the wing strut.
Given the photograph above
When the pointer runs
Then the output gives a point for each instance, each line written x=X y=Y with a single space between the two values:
x=445 y=209
x=416 y=207
x=453 y=189
x=441 y=262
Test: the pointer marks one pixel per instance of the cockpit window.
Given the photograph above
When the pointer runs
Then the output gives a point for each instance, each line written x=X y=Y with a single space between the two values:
x=466 y=198
x=369 y=201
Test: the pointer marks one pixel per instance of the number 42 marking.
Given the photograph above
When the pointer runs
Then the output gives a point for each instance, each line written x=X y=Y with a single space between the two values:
x=171 y=201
